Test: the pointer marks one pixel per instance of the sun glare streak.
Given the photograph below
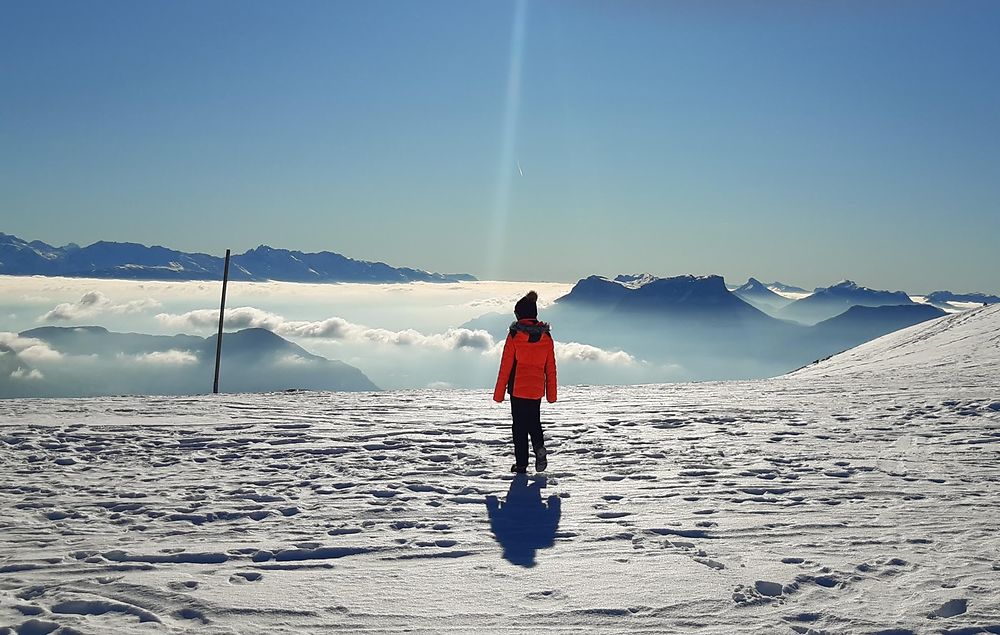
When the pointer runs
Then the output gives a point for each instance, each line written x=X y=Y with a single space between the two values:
x=497 y=237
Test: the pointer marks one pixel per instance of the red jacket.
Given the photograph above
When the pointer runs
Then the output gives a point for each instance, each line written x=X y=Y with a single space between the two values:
x=528 y=366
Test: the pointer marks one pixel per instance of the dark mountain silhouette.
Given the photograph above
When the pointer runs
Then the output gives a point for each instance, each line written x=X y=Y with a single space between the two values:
x=759 y=295
x=596 y=306
x=681 y=297
x=134 y=261
x=860 y=324
x=692 y=321
x=880 y=319
x=827 y=302
x=698 y=324
x=100 y=362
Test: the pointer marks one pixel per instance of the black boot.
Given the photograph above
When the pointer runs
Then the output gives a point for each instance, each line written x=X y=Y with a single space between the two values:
x=518 y=469
x=541 y=459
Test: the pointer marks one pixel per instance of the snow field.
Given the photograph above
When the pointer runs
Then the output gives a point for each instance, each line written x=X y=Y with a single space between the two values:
x=855 y=496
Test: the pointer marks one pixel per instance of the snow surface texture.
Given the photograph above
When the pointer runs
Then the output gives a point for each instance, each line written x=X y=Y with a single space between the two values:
x=858 y=495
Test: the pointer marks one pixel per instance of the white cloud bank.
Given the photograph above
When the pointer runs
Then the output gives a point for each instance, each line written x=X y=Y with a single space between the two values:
x=334 y=328
x=29 y=348
x=94 y=303
x=171 y=357
x=243 y=317
x=586 y=353
x=337 y=328
x=25 y=375
x=421 y=306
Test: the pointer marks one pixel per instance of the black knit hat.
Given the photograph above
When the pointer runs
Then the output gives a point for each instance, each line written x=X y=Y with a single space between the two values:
x=526 y=307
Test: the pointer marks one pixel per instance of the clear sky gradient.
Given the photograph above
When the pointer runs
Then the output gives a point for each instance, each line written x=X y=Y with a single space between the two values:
x=801 y=141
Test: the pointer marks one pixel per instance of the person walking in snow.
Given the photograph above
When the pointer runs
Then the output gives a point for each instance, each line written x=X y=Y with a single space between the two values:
x=527 y=373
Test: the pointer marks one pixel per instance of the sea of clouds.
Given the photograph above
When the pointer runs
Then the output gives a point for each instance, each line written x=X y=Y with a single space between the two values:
x=400 y=335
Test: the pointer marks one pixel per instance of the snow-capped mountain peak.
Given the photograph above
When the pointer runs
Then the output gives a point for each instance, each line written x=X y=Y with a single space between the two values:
x=844 y=286
x=781 y=287
x=753 y=284
x=759 y=295
x=634 y=281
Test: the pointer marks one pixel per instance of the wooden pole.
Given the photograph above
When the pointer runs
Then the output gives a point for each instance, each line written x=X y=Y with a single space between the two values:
x=222 y=316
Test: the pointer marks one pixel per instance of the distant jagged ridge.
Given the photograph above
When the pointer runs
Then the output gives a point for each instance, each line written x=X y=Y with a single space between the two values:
x=646 y=293
x=703 y=329
x=134 y=261
x=759 y=295
x=942 y=297
x=827 y=302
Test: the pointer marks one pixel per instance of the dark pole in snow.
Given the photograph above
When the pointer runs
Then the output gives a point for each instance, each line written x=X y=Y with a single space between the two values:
x=222 y=315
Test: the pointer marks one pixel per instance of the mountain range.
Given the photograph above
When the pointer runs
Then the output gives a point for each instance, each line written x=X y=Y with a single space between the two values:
x=132 y=261
x=91 y=360
x=945 y=299
x=696 y=323
x=827 y=302
x=647 y=295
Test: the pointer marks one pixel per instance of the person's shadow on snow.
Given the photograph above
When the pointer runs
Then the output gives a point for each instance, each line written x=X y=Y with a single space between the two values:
x=524 y=523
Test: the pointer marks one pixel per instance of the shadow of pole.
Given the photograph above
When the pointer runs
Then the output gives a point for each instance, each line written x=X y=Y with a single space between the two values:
x=523 y=523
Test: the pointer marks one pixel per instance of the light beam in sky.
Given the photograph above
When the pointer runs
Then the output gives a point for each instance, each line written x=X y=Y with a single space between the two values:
x=497 y=238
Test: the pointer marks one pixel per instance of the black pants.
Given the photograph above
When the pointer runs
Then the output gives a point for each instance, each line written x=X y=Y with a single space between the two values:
x=526 y=414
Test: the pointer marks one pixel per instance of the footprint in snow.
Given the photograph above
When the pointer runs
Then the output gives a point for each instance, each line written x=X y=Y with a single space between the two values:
x=951 y=608
x=765 y=591
x=554 y=594
x=186 y=585
x=243 y=577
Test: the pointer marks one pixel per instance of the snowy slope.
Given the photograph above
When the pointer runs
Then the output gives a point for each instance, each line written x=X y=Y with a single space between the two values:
x=858 y=495
x=960 y=347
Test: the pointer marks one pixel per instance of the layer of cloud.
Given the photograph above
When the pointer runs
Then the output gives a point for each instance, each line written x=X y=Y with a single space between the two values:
x=575 y=351
x=27 y=375
x=244 y=317
x=294 y=360
x=452 y=339
x=339 y=329
x=422 y=306
x=171 y=357
x=94 y=303
x=506 y=303
x=334 y=328
x=29 y=348
x=441 y=385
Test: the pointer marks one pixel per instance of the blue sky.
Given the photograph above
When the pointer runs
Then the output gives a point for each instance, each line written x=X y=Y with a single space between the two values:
x=802 y=141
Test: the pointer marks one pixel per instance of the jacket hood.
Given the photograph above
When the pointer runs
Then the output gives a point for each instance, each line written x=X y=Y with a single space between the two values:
x=530 y=327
